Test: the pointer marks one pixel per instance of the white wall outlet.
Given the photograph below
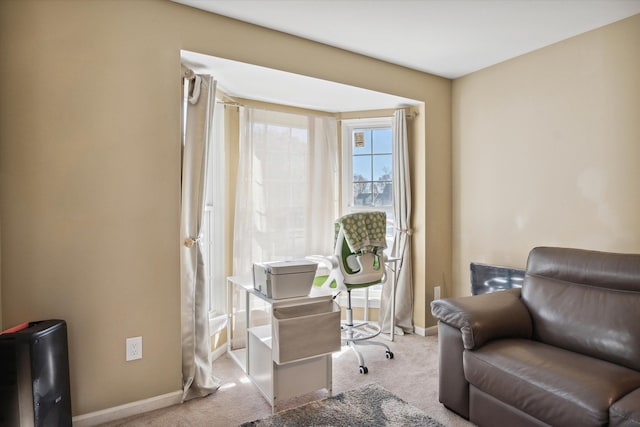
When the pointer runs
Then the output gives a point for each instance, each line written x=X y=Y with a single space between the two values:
x=134 y=348
x=436 y=293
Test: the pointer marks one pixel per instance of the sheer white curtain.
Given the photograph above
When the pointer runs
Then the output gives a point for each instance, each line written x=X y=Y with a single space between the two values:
x=286 y=189
x=197 y=376
x=402 y=241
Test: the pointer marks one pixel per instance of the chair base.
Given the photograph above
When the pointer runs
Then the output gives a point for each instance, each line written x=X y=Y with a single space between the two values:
x=358 y=331
x=354 y=335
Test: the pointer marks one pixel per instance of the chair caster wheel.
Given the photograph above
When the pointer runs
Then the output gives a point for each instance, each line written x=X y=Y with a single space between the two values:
x=364 y=370
x=389 y=354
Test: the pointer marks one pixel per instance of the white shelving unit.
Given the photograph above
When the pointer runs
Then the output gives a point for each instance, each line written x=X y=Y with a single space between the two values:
x=289 y=344
x=237 y=303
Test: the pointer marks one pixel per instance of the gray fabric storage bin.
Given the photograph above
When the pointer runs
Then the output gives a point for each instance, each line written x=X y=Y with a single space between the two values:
x=305 y=330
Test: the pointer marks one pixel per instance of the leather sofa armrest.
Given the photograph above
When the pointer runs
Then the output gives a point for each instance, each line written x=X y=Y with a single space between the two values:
x=481 y=318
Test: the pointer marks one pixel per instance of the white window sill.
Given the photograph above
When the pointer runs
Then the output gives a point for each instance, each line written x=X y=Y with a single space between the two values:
x=217 y=322
x=358 y=297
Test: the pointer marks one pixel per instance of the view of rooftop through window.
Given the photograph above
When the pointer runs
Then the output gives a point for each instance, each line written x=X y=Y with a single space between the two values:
x=372 y=167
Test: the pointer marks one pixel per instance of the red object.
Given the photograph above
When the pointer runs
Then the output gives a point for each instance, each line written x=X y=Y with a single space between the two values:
x=16 y=328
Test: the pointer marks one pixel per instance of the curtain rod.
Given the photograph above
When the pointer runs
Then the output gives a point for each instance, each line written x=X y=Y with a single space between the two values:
x=187 y=73
x=411 y=115
x=231 y=103
x=408 y=116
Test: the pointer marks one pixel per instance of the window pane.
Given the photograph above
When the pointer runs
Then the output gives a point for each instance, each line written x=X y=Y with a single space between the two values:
x=278 y=133
x=362 y=194
x=361 y=168
x=300 y=136
x=298 y=167
x=383 y=194
x=382 y=167
x=359 y=148
x=371 y=185
x=382 y=141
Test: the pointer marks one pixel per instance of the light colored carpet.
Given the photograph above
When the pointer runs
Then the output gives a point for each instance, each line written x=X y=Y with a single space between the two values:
x=366 y=406
x=412 y=375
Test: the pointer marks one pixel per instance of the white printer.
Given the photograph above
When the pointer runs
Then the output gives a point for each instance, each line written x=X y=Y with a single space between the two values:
x=284 y=279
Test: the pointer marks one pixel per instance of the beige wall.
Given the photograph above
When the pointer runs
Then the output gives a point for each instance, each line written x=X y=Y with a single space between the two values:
x=546 y=151
x=89 y=173
x=1 y=327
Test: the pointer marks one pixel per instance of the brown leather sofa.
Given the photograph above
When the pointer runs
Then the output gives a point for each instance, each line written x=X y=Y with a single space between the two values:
x=563 y=351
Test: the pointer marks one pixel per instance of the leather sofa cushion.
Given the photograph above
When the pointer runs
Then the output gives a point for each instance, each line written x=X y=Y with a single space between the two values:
x=591 y=268
x=556 y=386
x=585 y=301
x=626 y=411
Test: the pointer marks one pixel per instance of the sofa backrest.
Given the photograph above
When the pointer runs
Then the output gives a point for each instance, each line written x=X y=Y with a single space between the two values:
x=586 y=301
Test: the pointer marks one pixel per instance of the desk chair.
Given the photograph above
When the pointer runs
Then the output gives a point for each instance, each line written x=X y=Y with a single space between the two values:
x=357 y=262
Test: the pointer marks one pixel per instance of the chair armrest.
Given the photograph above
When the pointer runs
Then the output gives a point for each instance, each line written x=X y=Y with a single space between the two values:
x=481 y=318
x=328 y=262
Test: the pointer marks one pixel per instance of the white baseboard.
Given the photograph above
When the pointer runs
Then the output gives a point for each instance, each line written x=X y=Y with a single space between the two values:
x=135 y=408
x=431 y=330
x=218 y=352
x=127 y=410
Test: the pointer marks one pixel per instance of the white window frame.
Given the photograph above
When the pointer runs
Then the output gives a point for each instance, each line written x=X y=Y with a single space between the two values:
x=348 y=126
x=373 y=293
x=214 y=224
